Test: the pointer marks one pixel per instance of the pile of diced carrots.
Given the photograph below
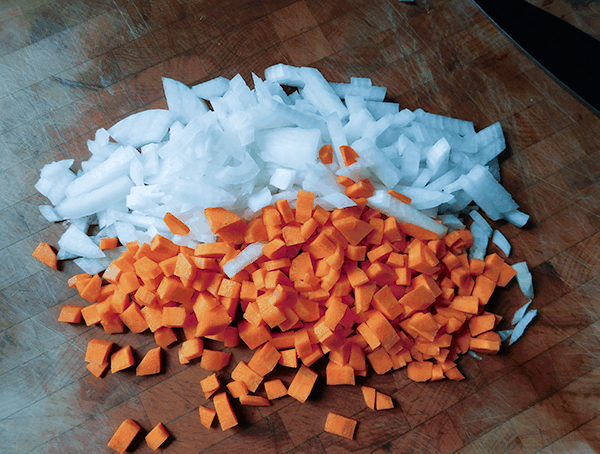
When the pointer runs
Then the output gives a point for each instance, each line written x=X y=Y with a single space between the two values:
x=352 y=284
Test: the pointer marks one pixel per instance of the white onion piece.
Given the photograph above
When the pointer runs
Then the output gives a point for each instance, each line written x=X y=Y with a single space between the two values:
x=355 y=103
x=338 y=138
x=500 y=240
x=409 y=158
x=259 y=200
x=439 y=121
x=92 y=266
x=480 y=241
x=391 y=206
x=516 y=217
x=479 y=219
x=63 y=254
x=505 y=334
x=285 y=75
x=54 y=179
x=320 y=94
x=48 y=212
x=520 y=313
x=211 y=88
x=381 y=166
x=182 y=101
x=367 y=92
x=290 y=147
x=78 y=243
x=524 y=279
x=282 y=178
x=423 y=199
x=96 y=200
x=251 y=253
x=451 y=221
x=488 y=193
x=339 y=200
x=246 y=171
x=142 y=127
x=125 y=232
x=520 y=327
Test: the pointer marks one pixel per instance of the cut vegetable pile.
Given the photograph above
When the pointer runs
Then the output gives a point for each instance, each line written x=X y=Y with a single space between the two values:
x=311 y=221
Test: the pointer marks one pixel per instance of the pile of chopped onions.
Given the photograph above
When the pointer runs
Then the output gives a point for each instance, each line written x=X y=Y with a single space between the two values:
x=255 y=146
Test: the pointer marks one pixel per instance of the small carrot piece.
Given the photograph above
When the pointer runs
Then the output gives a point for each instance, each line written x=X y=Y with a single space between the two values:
x=304 y=206
x=124 y=435
x=275 y=389
x=209 y=385
x=207 y=416
x=98 y=351
x=97 y=369
x=108 y=243
x=224 y=411
x=369 y=396
x=214 y=360
x=44 y=253
x=121 y=359
x=383 y=402
x=70 y=314
x=237 y=388
x=326 y=154
x=157 y=436
x=176 y=226
x=254 y=401
x=348 y=155
x=150 y=363
x=340 y=425
x=303 y=383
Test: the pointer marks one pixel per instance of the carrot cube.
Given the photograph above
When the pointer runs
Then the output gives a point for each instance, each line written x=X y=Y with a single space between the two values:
x=108 y=243
x=207 y=416
x=224 y=411
x=157 y=436
x=254 y=401
x=209 y=385
x=264 y=359
x=98 y=351
x=302 y=384
x=237 y=388
x=289 y=358
x=70 y=314
x=275 y=389
x=214 y=360
x=121 y=359
x=369 y=396
x=134 y=319
x=44 y=253
x=97 y=369
x=150 y=363
x=242 y=372
x=340 y=425
x=174 y=317
x=164 y=337
x=124 y=435
x=383 y=401
x=191 y=349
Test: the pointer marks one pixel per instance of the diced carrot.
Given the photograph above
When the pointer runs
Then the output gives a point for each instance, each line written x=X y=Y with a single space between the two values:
x=124 y=435
x=420 y=371
x=483 y=289
x=302 y=384
x=398 y=196
x=369 y=396
x=176 y=226
x=108 y=243
x=254 y=401
x=304 y=206
x=90 y=314
x=210 y=385
x=385 y=302
x=340 y=425
x=380 y=361
x=214 y=360
x=354 y=230
x=383 y=402
x=91 y=291
x=326 y=154
x=253 y=336
x=321 y=215
x=339 y=374
x=150 y=363
x=454 y=374
x=157 y=436
x=191 y=349
x=237 y=388
x=363 y=188
x=224 y=411
x=348 y=155
x=275 y=389
x=134 y=319
x=345 y=181
x=226 y=224
x=70 y=313
x=264 y=359
x=44 y=253
x=242 y=372
x=481 y=323
x=97 y=369
x=121 y=359
x=98 y=351
x=289 y=358
x=164 y=336
x=207 y=416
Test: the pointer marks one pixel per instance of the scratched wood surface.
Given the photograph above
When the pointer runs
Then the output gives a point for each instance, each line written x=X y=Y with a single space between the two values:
x=69 y=67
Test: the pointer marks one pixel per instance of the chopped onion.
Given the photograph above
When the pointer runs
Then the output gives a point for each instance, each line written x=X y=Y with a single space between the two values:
x=243 y=259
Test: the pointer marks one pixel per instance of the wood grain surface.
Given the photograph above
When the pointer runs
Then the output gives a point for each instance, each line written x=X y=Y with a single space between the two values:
x=69 y=67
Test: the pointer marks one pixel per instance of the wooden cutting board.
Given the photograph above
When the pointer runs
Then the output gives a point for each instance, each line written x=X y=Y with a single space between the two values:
x=68 y=68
